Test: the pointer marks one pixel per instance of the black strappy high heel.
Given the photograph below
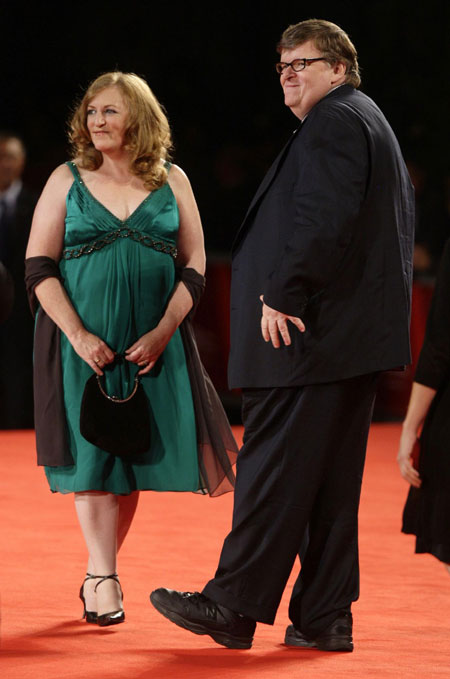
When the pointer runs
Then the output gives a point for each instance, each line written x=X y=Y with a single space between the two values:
x=114 y=617
x=91 y=616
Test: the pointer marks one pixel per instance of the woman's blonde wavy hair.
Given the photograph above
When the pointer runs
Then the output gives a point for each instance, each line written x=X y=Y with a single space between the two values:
x=147 y=135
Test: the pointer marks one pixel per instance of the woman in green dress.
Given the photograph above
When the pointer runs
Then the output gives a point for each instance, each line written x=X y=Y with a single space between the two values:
x=114 y=221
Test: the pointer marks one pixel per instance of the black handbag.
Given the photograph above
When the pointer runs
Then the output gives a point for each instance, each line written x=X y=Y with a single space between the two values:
x=118 y=426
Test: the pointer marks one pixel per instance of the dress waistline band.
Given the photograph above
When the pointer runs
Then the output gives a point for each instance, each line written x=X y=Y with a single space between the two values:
x=123 y=232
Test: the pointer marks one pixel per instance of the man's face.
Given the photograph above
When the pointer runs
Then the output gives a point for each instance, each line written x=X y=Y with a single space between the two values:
x=303 y=89
x=12 y=161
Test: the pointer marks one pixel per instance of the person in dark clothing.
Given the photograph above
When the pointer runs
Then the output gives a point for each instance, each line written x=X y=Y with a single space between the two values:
x=6 y=293
x=17 y=204
x=427 y=511
x=320 y=304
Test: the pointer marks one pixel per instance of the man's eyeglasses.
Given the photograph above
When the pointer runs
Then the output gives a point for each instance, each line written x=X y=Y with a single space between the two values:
x=296 y=65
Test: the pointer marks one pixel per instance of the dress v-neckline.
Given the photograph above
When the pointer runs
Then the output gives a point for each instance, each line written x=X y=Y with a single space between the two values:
x=98 y=202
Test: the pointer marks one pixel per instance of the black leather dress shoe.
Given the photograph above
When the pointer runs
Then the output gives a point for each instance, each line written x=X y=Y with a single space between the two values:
x=336 y=637
x=195 y=612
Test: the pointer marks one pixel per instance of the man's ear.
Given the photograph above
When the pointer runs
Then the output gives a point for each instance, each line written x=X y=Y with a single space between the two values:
x=339 y=68
x=339 y=71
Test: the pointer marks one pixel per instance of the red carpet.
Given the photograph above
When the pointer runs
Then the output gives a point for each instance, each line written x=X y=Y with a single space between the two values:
x=402 y=621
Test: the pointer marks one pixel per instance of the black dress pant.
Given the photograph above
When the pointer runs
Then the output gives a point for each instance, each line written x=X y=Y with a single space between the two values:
x=300 y=468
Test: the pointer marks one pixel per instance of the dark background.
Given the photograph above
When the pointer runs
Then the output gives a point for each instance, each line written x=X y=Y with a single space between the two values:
x=211 y=65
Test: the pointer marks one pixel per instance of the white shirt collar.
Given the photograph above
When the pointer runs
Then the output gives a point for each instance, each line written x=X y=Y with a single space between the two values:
x=11 y=193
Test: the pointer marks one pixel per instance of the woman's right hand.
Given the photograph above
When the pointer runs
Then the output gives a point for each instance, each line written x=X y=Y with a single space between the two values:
x=404 y=458
x=92 y=349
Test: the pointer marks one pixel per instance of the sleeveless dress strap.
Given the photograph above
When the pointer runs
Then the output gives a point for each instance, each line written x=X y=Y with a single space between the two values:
x=74 y=170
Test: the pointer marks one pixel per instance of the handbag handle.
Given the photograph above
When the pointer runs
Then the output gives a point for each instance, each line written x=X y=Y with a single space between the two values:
x=116 y=399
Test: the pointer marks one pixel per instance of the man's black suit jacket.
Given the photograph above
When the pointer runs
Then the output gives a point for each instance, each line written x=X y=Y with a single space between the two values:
x=328 y=237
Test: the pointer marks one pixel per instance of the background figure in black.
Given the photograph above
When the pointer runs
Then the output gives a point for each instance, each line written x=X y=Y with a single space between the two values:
x=432 y=221
x=6 y=293
x=16 y=334
x=427 y=510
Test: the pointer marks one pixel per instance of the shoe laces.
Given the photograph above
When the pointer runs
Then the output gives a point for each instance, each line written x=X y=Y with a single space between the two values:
x=200 y=600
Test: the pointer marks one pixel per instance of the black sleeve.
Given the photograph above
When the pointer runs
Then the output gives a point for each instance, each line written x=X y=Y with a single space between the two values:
x=433 y=367
x=334 y=171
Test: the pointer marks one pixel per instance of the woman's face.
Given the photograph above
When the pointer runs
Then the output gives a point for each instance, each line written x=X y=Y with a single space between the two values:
x=106 y=120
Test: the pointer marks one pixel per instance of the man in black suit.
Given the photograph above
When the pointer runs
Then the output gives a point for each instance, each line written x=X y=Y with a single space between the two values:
x=322 y=270
x=17 y=204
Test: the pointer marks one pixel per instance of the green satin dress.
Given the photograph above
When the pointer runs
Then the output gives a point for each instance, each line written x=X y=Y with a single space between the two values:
x=119 y=276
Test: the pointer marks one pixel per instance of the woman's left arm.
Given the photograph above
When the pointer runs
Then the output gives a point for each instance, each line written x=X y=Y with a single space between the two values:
x=191 y=253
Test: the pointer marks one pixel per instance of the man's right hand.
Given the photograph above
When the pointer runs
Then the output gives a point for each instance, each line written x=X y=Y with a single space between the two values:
x=274 y=324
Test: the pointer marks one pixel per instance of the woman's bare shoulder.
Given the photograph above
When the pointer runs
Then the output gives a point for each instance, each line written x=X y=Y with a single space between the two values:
x=178 y=180
x=60 y=180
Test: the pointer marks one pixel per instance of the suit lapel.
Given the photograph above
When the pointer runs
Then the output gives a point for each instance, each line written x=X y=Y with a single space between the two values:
x=271 y=174
x=266 y=182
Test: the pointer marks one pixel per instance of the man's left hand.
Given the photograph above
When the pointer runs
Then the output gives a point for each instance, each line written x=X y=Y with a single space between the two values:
x=274 y=324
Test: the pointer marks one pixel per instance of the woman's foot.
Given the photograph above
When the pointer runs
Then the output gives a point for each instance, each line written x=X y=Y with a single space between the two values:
x=109 y=600
x=89 y=598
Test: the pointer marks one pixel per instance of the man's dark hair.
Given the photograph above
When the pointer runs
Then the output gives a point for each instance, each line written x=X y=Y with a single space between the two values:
x=333 y=43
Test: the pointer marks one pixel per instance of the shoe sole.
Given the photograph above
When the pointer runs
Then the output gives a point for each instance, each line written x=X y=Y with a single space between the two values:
x=219 y=637
x=110 y=621
x=292 y=641
x=342 y=644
